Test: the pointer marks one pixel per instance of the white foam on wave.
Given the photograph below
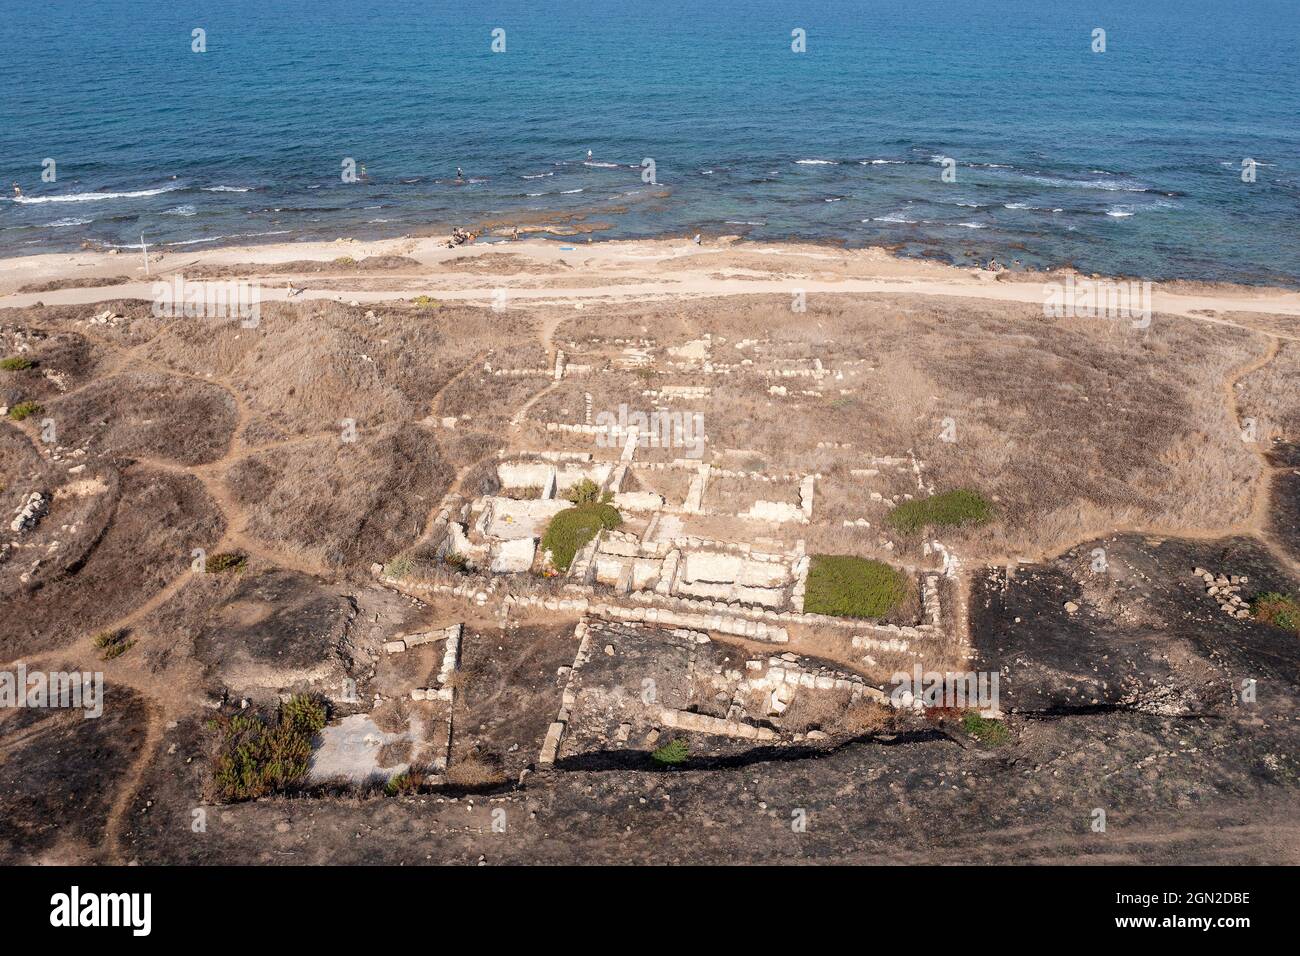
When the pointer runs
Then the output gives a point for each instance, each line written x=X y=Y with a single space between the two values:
x=69 y=221
x=1109 y=185
x=815 y=162
x=569 y=192
x=880 y=162
x=600 y=165
x=185 y=210
x=1119 y=212
x=195 y=242
x=892 y=217
x=227 y=189
x=538 y=175
x=91 y=197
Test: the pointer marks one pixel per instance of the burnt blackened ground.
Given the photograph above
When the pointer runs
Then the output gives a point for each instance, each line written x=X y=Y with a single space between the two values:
x=1173 y=791
x=1145 y=634
x=1285 y=512
x=59 y=773
x=1184 y=769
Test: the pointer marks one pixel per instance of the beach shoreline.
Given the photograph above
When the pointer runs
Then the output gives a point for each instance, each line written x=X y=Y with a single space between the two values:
x=544 y=271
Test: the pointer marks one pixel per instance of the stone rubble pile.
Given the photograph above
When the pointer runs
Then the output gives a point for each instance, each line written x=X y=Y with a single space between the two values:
x=1226 y=591
x=33 y=508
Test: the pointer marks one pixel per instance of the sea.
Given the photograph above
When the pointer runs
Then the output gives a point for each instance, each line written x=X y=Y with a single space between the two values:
x=1149 y=138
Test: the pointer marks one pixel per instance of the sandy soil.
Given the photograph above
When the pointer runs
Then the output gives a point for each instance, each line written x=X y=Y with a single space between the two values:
x=553 y=272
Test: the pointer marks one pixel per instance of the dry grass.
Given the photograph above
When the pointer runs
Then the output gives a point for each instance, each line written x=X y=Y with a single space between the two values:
x=836 y=713
x=1271 y=395
x=308 y=365
x=1066 y=426
x=345 y=504
x=476 y=770
x=148 y=415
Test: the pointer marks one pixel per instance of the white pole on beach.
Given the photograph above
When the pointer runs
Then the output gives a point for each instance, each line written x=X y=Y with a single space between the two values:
x=145 y=250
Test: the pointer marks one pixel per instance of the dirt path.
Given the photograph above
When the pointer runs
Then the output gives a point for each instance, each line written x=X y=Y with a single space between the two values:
x=640 y=286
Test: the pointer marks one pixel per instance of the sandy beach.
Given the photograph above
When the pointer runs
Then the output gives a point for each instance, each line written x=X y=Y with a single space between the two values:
x=550 y=273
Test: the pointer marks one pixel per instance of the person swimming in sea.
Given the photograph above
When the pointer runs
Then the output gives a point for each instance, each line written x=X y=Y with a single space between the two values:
x=18 y=191
x=588 y=155
x=460 y=177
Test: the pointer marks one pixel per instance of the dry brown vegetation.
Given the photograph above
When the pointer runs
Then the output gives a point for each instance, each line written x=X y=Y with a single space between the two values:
x=87 y=282
x=150 y=415
x=833 y=712
x=475 y=771
x=344 y=504
x=1068 y=426
x=306 y=367
x=133 y=548
x=1271 y=395
x=341 y=265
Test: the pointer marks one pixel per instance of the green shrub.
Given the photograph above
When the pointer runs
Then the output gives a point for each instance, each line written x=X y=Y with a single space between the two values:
x=952 y=509
x=424 y=302
x=16 y=363
x=992 y=732
x=846 y=586
x=256 y=756
x=24 y=410
x=228 y=561
x=113 y=643
x=457 y=561
x=402 y=783
x=345 y=261
x=672 y=753
x=574 y=527
x=587 y=492
x=1280 y=610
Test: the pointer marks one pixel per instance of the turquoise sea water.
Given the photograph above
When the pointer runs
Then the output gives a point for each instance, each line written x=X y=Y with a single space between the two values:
x=1127 y=161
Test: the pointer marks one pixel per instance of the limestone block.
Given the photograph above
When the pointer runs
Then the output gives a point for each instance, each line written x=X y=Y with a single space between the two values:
x=513 y=556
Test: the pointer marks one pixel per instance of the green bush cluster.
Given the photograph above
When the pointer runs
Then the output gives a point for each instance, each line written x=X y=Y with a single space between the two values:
x=672 y=753
x=846 y=586
x=257 y=756
x=952 y=509
x=16 y=363
x=987 y=730
x=24 y=410
x=587 y=492
x=113 y=643
x=1280 y=610
x=574 y=527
